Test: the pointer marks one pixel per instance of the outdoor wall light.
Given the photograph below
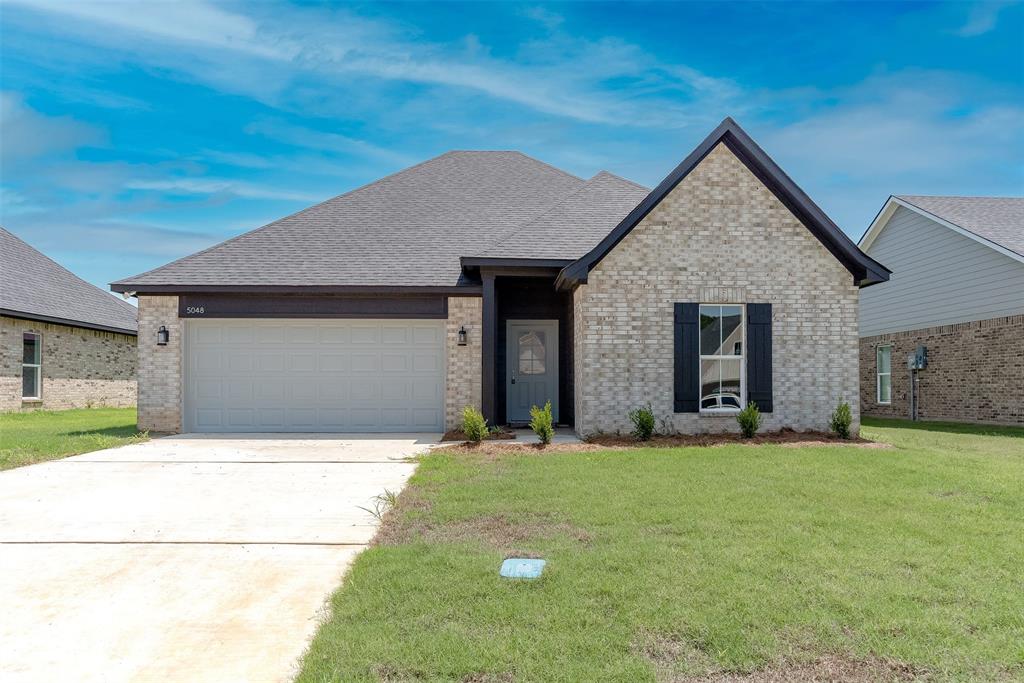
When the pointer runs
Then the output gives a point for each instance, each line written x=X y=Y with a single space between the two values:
x=162 y=336
x=462 y=335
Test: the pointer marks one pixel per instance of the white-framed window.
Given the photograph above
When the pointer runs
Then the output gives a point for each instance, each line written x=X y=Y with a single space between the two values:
x=722 y=376
x=31 y=366
x=883 y=368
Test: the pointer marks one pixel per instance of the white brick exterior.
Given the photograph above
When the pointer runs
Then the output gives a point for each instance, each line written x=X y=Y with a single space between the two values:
x=160 y=367
x=464 y=369
x=719 y=237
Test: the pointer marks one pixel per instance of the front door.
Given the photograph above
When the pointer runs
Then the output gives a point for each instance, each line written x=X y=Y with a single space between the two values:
x=531 y=376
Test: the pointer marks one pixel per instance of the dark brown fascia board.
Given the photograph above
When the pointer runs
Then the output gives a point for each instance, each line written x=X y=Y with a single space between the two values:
x=478 y=261
x=865 y=270
x=367 y=290
x=21 y=315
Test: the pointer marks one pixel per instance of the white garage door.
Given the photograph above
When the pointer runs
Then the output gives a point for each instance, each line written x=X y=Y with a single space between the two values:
x=314 y=376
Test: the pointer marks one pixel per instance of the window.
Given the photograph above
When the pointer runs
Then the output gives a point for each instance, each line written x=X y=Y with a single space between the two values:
x=531 y=353
x=31 y=374
x=721 y=358
x=883 y=364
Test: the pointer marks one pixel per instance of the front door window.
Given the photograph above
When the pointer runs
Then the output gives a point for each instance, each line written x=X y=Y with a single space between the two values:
x=531 y=353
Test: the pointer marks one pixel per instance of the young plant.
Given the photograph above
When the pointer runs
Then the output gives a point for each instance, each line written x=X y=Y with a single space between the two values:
x=643 y=422
x=541 y=423
x=842 y=418
x=474 y=426
x=749 y=419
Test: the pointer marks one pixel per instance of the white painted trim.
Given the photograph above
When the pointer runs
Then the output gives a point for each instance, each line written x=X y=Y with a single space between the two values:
x=742 y=358
x=893 y=203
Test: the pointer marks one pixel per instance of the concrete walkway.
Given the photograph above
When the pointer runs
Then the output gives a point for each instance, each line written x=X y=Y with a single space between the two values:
x=195 y=558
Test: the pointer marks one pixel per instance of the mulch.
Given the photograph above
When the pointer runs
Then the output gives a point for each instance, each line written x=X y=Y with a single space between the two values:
x=785 y=437
x=501 y=433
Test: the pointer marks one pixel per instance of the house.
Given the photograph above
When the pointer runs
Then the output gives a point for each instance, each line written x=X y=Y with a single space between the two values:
x=495 y=280
x=957 y=294
x=63 y=342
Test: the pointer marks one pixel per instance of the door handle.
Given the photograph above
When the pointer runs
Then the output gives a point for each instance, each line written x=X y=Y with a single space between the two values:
x=513 y=378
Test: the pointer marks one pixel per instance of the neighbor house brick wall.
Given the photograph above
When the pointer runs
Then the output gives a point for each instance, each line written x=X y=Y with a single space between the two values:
x=463 y=362
x=975 y=372
x=719 y=237
x=80 y=367
x=160 y=367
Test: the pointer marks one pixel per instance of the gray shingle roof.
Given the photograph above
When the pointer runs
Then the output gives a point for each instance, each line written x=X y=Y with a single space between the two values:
x=406 y=230
x=576 y=224
x=996 y=219
x=34 y=286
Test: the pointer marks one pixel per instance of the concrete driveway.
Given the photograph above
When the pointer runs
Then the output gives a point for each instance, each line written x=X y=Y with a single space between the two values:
x=198 y=558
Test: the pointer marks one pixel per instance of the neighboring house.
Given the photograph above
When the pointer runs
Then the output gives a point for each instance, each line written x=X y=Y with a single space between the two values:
x=958 y=291
x=492 y=279
x=63 y=342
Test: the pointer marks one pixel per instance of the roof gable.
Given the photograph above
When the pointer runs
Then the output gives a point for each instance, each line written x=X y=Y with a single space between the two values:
x=865 y=270
x=996 y=222
x=36 y=287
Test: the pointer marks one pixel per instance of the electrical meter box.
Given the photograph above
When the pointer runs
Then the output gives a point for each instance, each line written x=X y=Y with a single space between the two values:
x=918 y=360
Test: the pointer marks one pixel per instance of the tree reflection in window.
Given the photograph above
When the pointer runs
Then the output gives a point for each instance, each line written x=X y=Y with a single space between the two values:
x=531 y=353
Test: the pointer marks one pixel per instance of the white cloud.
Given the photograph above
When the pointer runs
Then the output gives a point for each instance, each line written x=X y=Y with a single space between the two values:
x=218 y=186
x=983 y=17
x=28 y=134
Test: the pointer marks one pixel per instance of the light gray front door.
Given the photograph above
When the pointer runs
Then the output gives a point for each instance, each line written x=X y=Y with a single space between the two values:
x=531 y=375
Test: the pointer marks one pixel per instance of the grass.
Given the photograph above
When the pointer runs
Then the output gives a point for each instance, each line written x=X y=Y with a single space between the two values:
x=665 y=564
x=31 y=437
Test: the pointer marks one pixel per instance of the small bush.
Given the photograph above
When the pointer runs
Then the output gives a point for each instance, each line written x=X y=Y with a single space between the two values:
x=474 y=426
x=541 y=423
x=842 y=418
x=643 y=422
x=750 y=420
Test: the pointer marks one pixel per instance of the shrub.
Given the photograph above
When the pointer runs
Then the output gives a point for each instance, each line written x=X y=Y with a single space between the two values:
x=541 y=423
x=749 y=419
x=842 y=418
x=643 y=422
x=474 y=426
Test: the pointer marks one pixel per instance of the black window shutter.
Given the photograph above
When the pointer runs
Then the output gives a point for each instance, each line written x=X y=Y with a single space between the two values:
x=687 y=358
x=759 y=356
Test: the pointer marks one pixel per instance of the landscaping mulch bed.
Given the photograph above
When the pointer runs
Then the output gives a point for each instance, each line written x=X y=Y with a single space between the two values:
x=785 y=437
x=501 y=433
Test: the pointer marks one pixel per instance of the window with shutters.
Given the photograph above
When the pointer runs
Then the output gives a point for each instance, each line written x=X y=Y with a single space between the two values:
x=722 y=375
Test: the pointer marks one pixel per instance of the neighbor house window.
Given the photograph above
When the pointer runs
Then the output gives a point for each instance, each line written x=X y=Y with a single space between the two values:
x=31 y=363
x=721 y=358
x=883 y=363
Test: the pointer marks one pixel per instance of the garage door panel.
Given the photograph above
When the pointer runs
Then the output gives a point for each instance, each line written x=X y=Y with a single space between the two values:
x=331 y=375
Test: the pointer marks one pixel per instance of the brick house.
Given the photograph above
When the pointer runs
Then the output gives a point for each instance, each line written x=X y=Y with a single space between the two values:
x=957 y=291
x=63 y=342
x=492 y=279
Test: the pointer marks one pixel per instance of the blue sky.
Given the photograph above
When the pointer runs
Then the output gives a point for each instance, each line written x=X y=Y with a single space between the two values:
x=133 y=134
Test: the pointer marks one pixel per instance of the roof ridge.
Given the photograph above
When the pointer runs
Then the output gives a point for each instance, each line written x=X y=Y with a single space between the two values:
x=625 y=180
x=124 y=305
x=284 y=218
x=561 y=202
x=551 y=166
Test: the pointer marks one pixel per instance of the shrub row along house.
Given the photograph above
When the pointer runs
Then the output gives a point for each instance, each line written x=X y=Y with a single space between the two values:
x=492 y=279
x=957 y=295
x=63 y=342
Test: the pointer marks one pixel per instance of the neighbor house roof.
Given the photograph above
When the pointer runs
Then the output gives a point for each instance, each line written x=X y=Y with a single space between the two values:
x=35 y=287
x=406 y=230
x=865 y=270
x=997 y=222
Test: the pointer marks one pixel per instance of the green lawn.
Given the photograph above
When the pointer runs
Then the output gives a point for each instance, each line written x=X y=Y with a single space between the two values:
x=31 y=437
x=667 y=564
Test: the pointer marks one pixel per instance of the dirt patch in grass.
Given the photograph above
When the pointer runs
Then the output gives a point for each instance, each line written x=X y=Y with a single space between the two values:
x=499 y=434
x=833 y=667
x=784 y=437
x=410 y=522
x=483 y=677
